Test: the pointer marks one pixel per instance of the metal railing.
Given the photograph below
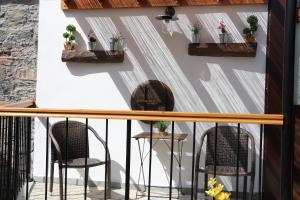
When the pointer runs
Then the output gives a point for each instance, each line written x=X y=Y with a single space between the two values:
x=16 y=130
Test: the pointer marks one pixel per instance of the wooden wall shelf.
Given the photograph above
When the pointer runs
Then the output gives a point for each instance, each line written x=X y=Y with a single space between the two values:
x=223 y=50
x=98 y=4
x=92 y=56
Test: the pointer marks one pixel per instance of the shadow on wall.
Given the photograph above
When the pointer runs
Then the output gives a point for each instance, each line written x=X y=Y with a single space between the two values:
x=199 y=84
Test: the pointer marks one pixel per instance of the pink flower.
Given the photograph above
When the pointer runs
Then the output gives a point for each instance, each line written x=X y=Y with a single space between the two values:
x=222 y=25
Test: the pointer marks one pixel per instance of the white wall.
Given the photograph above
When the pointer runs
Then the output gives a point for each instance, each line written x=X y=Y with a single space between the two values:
x=199 y=84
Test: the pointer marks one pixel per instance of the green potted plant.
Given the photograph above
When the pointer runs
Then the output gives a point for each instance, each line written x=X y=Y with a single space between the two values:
x=223 y=36
x=195 y=29
x=161 y=127
x=115 y=42
x=69 y=37
x=92 y=41
x=249 y=32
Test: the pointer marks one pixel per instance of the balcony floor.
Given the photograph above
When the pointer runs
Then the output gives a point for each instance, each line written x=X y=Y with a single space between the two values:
x=76 y=192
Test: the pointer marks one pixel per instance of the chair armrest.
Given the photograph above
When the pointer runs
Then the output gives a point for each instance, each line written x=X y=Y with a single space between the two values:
x=57 y=148
x=101 y=140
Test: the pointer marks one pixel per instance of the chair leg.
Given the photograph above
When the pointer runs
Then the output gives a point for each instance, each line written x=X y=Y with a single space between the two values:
x=196 y=184
x=51 y=176
x=245 y=188
x=60 y=183
x=205 y=181
x=108 y=181
x=86 y=177
x=251 y=187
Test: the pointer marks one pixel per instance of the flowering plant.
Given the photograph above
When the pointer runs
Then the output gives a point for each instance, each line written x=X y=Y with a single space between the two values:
x=216 y=190
x=222 y=27
x=92 y=36
x=195 y=28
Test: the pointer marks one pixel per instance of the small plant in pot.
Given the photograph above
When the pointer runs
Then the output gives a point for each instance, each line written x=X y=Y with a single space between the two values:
x=195 y=29
x=161 y=126
x=92 y=41
x=115 y=42
x=223 y=36
x=249 y=32
x=70 y=38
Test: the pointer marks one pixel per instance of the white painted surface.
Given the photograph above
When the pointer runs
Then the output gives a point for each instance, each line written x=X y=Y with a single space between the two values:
x=199 y=84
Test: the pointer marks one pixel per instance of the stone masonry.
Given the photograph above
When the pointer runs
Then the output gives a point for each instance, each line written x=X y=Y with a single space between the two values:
x=18 y=49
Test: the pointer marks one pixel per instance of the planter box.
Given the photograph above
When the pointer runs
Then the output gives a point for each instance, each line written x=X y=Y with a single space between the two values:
x=223 y=50
x=92 y=56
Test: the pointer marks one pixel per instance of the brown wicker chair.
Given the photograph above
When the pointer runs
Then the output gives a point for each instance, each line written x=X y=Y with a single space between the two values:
x=226 y=156
x=77 y=141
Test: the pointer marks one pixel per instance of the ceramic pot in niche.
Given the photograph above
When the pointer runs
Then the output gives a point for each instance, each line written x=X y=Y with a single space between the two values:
x=113 y=46
x=223 y=37
x=195 y=38
x=92 y=46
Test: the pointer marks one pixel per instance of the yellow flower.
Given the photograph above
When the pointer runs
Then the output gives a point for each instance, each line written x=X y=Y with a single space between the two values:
x=212 y=182
x=223 y=196
x=213 y=192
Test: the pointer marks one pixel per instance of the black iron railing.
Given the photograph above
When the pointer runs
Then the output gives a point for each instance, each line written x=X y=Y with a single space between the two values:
x=15 y=129
x=15 y=151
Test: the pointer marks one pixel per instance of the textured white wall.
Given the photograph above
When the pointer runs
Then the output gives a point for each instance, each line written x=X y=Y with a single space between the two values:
x=199 y=84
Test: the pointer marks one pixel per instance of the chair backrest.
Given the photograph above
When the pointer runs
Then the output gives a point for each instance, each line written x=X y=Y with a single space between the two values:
x=77 y=140
x=227 y=148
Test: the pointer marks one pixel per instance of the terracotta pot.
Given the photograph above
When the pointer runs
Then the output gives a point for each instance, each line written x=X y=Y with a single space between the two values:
x=69 y=46
x=249 y=39
x=162 y=132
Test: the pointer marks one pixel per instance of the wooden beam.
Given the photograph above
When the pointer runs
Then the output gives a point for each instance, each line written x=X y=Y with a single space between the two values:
x=99 y=4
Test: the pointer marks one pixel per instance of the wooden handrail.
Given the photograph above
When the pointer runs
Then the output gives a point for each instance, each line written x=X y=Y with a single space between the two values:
x=272 y=119
x=21 y=104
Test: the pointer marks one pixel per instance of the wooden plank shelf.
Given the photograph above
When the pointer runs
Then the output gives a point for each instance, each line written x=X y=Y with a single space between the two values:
x=92 y=56
x=98 y=4
x=223 y=50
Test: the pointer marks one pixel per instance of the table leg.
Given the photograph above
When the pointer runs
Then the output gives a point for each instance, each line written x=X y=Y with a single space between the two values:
x=141 y=170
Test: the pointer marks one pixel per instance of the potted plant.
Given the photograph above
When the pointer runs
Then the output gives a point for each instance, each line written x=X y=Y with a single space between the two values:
x=70 y=38
x=249 y=32
x=216 y=190
x=223 y=36
x=195 y=29
x=115 y=42
x=161 y=126
x=92 y=41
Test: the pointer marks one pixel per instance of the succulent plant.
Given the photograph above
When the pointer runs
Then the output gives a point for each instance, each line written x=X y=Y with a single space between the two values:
x=249 y=32
x=195 y=28
x=161 y=126
x=69 y=35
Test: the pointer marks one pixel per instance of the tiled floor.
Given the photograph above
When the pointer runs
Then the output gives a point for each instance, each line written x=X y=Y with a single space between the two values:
x=93 y=193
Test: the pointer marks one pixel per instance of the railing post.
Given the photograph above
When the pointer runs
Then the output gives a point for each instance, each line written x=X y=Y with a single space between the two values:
x=171 y=164
x=28 y=129
x=150 y=160
x=128 y=152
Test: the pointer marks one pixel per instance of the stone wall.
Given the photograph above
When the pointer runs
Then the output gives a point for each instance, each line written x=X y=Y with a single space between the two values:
x=18 y=49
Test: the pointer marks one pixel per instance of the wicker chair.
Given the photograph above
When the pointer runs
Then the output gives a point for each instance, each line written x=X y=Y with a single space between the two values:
x=77 y=141
x=226 y=156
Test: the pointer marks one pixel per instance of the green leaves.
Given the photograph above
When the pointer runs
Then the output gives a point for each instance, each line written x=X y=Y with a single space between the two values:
x=252 y=28
x=69 y=35
x=71 y=28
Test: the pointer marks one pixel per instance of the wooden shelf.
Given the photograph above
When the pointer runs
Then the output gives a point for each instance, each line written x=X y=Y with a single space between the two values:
x=92 y=56
x=223 y=50
x=98 y=4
